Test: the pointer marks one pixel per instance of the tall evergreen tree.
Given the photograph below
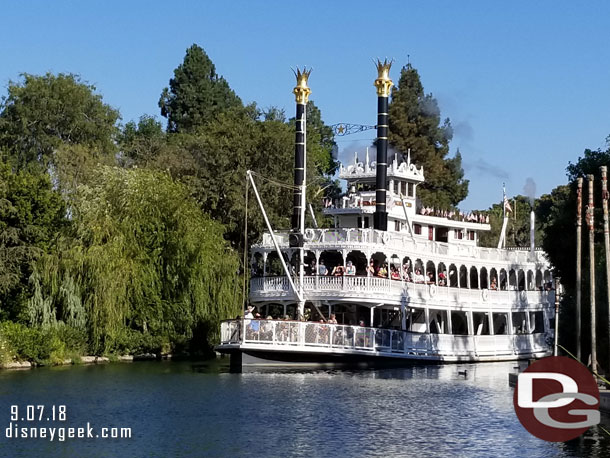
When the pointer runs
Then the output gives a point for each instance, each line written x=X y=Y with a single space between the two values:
x=196 y=93
x=415 y=124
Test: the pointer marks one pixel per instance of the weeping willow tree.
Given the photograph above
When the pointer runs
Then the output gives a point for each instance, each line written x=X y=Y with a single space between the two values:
x=142 y=267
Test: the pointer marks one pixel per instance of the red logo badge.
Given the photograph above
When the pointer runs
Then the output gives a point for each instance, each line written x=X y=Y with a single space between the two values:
x=557 y=399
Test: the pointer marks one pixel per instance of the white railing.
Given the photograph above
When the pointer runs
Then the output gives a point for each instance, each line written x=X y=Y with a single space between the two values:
x=376 y=286
x=338 y=238
x=304 y=335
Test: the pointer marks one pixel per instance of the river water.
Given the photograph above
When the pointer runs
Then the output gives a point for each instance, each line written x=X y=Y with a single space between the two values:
x=190 y=409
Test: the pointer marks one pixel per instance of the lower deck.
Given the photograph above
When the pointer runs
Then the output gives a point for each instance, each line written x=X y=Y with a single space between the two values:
x=281 y=342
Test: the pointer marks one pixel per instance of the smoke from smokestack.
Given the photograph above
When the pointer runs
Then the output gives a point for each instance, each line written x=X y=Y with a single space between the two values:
x=530 y=190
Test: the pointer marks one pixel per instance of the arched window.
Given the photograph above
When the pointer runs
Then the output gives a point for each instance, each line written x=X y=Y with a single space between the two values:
x=257 y=265
x=503 y=280
x=453 y=276
x=463 y=277
x=358 y=259
x=330 y=260
x=474 y=278
x=484 y=278
x=430 y=272
x=530 y=281
x=442 y=274
x=378 y=263
x=494 y=282
x=539 y=284
x=274 y=265
x=521 y=280
x=512 y=279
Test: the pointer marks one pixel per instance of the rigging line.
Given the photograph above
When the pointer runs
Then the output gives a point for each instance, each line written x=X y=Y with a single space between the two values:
x=246 y=271
x=278 y=183
x=288 y=186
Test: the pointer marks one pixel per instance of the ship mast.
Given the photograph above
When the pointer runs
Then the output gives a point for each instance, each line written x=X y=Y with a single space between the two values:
x=301 y=92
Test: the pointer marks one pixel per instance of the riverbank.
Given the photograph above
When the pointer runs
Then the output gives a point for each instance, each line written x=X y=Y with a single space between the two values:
x=19 y=365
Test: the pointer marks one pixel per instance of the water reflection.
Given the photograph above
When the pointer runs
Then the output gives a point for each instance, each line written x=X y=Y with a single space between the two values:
x=200 y=409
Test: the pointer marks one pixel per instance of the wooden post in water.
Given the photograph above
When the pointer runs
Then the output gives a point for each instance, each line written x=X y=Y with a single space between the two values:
x=590 y=223
x=579 y=269
x=604 y=170
x=557 y=286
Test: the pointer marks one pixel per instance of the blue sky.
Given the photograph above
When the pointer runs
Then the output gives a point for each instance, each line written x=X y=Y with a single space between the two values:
x=526 y=84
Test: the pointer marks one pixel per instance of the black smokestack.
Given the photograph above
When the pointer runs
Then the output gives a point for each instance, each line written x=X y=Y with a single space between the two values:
x=383 y=83
x=299 y=165
x=301 y=92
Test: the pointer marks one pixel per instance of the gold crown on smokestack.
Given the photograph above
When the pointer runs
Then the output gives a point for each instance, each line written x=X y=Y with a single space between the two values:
x=302 y=91
x=383 y=83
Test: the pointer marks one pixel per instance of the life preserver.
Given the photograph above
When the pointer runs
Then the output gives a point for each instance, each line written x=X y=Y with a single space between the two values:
x=432 y=290
x=309 y=235
x=523 y=295
x=485 y=294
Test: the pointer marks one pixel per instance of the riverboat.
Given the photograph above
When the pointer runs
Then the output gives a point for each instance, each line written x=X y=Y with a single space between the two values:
x=392 y=282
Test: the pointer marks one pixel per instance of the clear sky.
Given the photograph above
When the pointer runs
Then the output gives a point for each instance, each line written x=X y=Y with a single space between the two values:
x=526 y=84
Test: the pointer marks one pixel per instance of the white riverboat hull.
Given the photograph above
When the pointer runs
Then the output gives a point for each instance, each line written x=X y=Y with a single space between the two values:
x=270 y=343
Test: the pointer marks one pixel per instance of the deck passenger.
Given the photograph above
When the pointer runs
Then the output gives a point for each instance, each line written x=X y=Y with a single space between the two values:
x=332 y=319
x=419 y=277
x=338 y=271
x=350 y=269
x=322 y=270
x=394 y=274
x=494 y=284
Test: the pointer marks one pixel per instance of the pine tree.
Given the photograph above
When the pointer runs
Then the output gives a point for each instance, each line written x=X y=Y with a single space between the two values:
x=196 y=93
x=415 y=125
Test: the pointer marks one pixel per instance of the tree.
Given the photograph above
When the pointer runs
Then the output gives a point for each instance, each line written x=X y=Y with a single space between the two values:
x=42 y=113
x=141 y=143
x=196 y=93
x=557 y=211
x=31 y=216
x=518 y=228
x=415 y=125
x=142 y=269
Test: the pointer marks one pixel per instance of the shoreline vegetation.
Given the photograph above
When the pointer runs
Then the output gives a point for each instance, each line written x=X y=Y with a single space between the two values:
x=132 y=239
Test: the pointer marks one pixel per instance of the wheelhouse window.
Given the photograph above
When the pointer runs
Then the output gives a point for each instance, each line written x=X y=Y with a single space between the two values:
x=410 y=189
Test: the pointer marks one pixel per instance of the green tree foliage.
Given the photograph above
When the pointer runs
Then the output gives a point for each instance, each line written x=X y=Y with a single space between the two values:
x=415 y=124
x=141 y=143
x=41 y=113
x=144 y=265
x=196 y=93
x=31 y=215
x=518 y=228
x=557 y=211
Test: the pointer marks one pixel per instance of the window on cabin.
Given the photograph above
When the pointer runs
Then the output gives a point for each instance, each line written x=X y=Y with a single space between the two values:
x=470 y=235
x=458 y=234
x=396 y=186
x=410 y=189
x=397 y=226
x=366 y=222
x=359 y=223
x=417 y=229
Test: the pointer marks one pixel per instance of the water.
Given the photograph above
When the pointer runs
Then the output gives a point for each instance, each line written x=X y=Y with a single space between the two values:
x=186 y=409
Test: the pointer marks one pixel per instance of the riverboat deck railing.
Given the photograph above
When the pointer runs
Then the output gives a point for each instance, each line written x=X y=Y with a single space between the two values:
x=324 y=337
x=376 y=286
x=348 y=237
